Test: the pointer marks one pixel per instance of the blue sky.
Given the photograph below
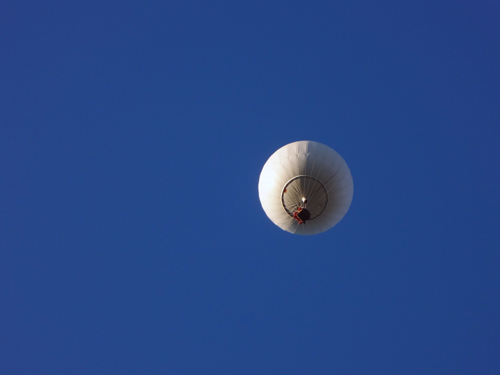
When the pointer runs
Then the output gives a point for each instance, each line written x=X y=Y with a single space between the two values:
x=132 y=136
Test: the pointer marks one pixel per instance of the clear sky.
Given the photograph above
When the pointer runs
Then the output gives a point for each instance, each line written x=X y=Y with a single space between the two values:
x=132 y=136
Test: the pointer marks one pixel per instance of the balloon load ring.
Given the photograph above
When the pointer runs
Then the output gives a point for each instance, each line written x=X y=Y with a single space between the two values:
x=304 y=198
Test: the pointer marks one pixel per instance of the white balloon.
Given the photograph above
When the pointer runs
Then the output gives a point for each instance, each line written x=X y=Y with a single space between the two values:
x=308 y=176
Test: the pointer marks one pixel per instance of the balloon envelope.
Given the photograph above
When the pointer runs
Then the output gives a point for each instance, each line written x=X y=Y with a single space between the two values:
x=309 y=176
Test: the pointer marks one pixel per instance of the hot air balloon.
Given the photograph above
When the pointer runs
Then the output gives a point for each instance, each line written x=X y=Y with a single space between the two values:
x=305 y=187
